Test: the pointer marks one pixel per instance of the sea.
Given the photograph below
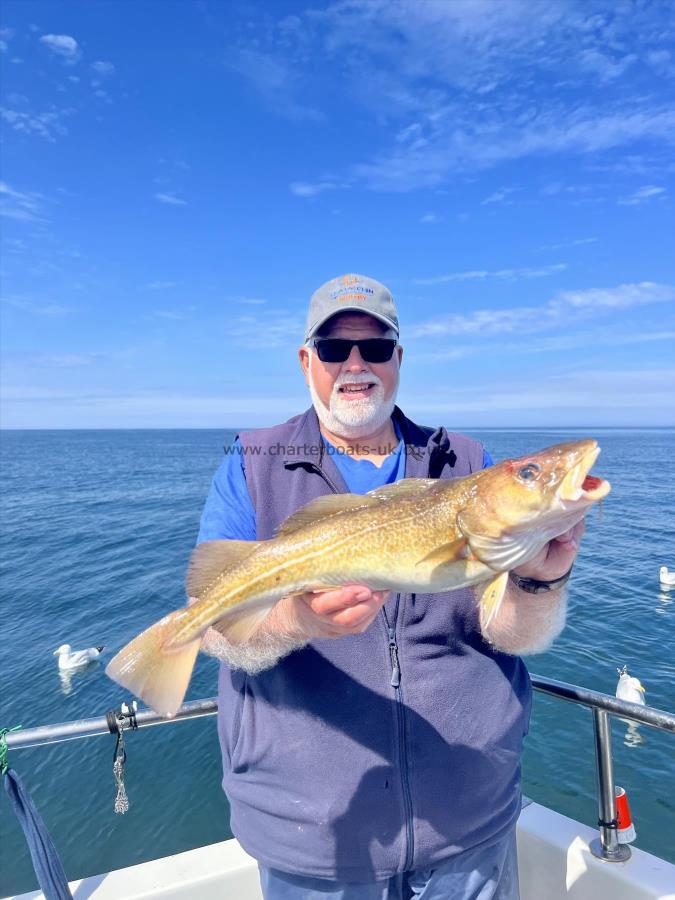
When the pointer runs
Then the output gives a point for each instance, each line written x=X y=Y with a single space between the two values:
x=96 y=532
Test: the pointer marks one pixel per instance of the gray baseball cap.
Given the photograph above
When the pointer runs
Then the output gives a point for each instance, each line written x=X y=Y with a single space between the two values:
x=350 y=293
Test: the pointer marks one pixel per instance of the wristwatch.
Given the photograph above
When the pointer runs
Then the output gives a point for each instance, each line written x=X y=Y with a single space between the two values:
x=533 y=586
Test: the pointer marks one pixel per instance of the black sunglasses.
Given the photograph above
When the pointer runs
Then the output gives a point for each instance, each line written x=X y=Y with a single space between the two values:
x=372 y=350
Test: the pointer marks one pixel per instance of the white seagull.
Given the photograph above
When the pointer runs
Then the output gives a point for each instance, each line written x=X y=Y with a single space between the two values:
x=76 y=659
x=666 y=578
x=629 y=688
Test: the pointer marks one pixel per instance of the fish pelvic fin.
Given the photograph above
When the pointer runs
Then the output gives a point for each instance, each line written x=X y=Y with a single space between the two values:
x=490 y=595
x=238 y=627
x=322 y=508
x=159 y=676
x=446 y=553
x=210 y=559
x=498 y=551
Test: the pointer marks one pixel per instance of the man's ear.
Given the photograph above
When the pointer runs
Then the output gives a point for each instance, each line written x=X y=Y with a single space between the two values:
x=303 y=356
x=399 y=351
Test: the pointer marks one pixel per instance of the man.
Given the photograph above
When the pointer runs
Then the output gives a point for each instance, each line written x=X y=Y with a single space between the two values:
x=371 y=743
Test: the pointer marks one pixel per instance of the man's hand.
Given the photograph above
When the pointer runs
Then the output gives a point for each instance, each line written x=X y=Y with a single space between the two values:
x=327 y=614
x=556 y=558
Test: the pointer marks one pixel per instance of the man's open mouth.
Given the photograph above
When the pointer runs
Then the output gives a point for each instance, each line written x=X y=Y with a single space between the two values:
x=356 y=390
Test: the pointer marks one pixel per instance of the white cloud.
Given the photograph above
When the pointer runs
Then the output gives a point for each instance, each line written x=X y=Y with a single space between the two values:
x=577 y=398
x=498 y=196
x=48 y=125
x=274 y=79
x=648 y=192
x=273 y=329
x=38 y=309
x=160 y=285
x=430 y=218
x=563 y=308
x=170 y=199
x=579 y=242
x=23 y=207
x=455 y=80
x=6 y=34
x=620 y=297
x=103 y=68
x=307 y=189
x=63 y=45
x=171 y=314
x=474 y=144
x=483 y=274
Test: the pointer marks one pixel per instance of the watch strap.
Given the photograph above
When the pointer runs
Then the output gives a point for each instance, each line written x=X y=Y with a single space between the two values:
x=534 y=586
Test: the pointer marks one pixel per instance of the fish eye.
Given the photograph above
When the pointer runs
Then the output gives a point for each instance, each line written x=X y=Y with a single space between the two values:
x=529 y=472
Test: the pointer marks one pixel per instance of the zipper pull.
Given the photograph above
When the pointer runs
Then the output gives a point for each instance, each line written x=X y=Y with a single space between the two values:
x=393 y=653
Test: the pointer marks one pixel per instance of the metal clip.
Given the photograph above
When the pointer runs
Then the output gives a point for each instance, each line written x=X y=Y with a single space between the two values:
x=117 y=721
x=119 y=758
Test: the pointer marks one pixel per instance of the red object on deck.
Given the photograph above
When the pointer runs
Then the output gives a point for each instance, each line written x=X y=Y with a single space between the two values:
x=625 y=829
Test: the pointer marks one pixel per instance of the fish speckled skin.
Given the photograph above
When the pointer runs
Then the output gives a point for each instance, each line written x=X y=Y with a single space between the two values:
x=420 y=535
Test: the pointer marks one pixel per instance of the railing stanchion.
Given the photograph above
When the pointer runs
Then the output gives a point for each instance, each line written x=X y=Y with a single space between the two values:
x=607 y=846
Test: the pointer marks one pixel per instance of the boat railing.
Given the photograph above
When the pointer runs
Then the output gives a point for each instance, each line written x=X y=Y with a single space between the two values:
x=602 y=706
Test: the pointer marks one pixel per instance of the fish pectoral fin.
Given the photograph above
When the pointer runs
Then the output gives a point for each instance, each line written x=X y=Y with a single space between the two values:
x=238 y=627
x=489 y=595
x=322 y=508
x=499 y=551
x=406 y=487
x=446 y=553
x=158 y=675
x=210 y=559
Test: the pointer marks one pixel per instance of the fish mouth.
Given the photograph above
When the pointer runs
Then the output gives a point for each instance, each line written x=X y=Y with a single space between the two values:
x=580 y=487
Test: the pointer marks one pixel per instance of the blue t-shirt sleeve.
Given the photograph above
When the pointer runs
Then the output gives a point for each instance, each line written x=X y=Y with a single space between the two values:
x=487 y=459
x=228 y=513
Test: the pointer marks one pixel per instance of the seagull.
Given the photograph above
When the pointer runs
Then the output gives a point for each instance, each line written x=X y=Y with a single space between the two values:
x=76 y=659
x=666 y=578
x=629 y=688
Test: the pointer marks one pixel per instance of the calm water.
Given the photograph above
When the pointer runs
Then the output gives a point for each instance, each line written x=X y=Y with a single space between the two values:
x=97 y=527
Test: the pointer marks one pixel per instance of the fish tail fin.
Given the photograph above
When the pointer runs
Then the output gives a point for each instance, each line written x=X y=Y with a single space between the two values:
x=159 y=676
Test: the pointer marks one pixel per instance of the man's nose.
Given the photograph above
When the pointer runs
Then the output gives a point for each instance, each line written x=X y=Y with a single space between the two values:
x=354 y=362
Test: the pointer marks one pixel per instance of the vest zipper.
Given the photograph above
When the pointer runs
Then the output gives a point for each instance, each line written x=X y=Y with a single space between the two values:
x=395 y=682
x=331 y=484
x=393 y=653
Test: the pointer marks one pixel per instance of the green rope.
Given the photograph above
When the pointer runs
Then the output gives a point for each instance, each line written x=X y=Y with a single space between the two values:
x=4 y=765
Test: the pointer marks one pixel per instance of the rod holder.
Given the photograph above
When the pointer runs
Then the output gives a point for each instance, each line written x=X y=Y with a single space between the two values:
x=607 y=846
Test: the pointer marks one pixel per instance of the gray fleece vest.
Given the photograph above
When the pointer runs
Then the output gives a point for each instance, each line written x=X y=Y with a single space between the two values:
x=357 y=758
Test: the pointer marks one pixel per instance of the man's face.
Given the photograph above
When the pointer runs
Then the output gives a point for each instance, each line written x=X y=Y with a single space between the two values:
x=352 y=398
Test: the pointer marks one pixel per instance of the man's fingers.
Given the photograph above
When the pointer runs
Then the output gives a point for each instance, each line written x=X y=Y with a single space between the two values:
x=355 y=616
x=328 y=602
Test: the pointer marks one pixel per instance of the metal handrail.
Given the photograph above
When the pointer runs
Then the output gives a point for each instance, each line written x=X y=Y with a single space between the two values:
x=602 y=705
x=607 y=846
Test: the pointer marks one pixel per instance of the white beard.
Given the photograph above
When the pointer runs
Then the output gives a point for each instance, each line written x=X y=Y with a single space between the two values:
x=353 y=418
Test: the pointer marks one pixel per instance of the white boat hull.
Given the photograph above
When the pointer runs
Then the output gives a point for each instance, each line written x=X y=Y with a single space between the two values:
x=554 y=862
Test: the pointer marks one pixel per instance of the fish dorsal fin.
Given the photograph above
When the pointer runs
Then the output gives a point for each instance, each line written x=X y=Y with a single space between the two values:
x=490 y=595
x=406 y=487
x=499 y=551
x=322 y=508
x=210 y=559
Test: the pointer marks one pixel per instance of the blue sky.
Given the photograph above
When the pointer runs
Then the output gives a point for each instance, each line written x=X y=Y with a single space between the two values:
x=178 y=177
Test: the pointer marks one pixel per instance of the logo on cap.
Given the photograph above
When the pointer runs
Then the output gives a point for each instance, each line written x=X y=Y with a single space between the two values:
x=352 y=289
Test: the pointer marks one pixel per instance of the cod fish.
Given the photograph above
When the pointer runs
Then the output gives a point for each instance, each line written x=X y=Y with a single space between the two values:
x=420 y=535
